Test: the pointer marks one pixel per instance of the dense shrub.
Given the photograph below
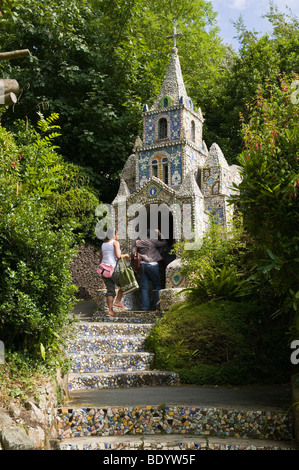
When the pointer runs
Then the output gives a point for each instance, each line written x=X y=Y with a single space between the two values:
x=222 y=267
x=36 y=292
x=269 y=192
x=64 y=187
x=43 y=201
x=221 y=343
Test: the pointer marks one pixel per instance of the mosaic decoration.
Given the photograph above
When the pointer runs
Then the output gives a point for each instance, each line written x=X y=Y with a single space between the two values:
x=174 y=278
x=200 y=421
x=175 y=166
x=108 y=353
x=169 y=445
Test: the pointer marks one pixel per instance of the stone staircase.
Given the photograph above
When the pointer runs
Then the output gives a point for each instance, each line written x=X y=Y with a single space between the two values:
x=108 y=354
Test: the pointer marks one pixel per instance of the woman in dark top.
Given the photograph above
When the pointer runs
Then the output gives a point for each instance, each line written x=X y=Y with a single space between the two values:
x=148 y=249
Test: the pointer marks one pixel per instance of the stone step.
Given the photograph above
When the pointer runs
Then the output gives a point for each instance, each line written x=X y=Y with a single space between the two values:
x=179 y=420
x=79 y=381
x=112 y=362
x=106 y=344
x=127 y=316
x=92 y=329
x=170 y=442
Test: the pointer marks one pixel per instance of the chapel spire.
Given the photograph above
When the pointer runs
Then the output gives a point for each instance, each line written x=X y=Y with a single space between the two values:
x=173 y=85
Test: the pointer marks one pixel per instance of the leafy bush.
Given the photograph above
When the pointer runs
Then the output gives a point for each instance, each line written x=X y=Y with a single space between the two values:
x=63 y=186
x=37 y=243
x=221 y=268
x=268 y=194
x=76 y=204
x=221 y=343
x=36 y=292
x=220 y=283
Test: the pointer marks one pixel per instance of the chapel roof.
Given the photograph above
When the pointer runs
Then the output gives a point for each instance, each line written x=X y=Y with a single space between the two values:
x=173 y=84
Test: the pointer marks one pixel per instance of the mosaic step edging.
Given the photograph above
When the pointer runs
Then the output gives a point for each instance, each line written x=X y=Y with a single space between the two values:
x=227 y=423
x=93 y=329
x=106 y=344
x=128 y=316
x=119 y=379
x=192 y=443
x=112 y=362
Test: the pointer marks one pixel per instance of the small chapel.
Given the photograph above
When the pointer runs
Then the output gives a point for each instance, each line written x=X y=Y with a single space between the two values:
x=172 y=166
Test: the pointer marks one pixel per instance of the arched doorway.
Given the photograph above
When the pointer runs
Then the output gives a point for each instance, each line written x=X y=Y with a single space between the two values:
x=160 y=217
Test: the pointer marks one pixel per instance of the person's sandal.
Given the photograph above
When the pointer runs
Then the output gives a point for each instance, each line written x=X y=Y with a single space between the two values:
x=112 y=315
x=120 y=306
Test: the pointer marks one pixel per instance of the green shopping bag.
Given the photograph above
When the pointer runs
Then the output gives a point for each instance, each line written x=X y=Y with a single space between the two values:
x=127 y=280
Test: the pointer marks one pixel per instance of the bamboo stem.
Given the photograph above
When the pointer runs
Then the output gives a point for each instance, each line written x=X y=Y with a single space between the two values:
x=14 y=54
x=8 y=99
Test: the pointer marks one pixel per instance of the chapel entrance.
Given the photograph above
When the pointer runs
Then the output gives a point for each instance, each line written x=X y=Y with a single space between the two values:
x=160 y=217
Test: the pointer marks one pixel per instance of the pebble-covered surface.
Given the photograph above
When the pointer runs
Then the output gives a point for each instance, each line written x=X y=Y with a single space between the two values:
x=89 y=330
x=127 y=317
x=107 y=344
x=175 y=419
x=168 y=446
x=112 y=362
x=122 y=379
x=110 y=354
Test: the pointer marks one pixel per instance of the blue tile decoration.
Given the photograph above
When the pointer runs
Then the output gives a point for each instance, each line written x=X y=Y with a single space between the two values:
x=203 y=422
x=175 y=165
x=200 y=423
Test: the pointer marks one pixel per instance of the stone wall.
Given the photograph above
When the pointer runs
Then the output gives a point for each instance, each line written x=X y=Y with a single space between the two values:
x=168 y=297
x=32 y=425
x=84 y=272
x=295 y=400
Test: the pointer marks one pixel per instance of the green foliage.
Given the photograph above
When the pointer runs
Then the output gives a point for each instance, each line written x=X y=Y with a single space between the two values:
x=96 y=62
x=268 y=193
x=43 y=204
x=221 y=268
x=36 y=291
x=77 y=204
x=221 y=343
x=259 y=58
x=64 y=187
x=75 y=71
x=219 y=283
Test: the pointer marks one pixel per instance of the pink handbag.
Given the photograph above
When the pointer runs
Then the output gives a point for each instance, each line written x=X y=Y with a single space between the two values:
x=105 y=270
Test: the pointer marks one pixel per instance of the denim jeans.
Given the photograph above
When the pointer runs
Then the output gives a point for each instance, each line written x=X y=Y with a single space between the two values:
x=149 y=272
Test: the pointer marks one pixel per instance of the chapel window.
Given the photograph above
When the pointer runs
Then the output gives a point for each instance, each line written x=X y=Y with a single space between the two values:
x=198 y=178
x=155 y=171
x=165 y=173
x=193 y=131
x=162 y=128
x=160 y=168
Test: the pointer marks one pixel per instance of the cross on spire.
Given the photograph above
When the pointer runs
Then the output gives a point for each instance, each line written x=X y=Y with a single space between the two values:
x=174 y=35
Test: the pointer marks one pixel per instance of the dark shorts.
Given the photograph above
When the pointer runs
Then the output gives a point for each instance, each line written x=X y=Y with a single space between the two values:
x=111 y=283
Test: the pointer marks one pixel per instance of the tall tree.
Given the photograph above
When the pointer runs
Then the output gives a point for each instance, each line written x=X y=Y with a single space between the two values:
x=95 y=62
x=268 y=193
x=70 y=73
x=258 y=60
